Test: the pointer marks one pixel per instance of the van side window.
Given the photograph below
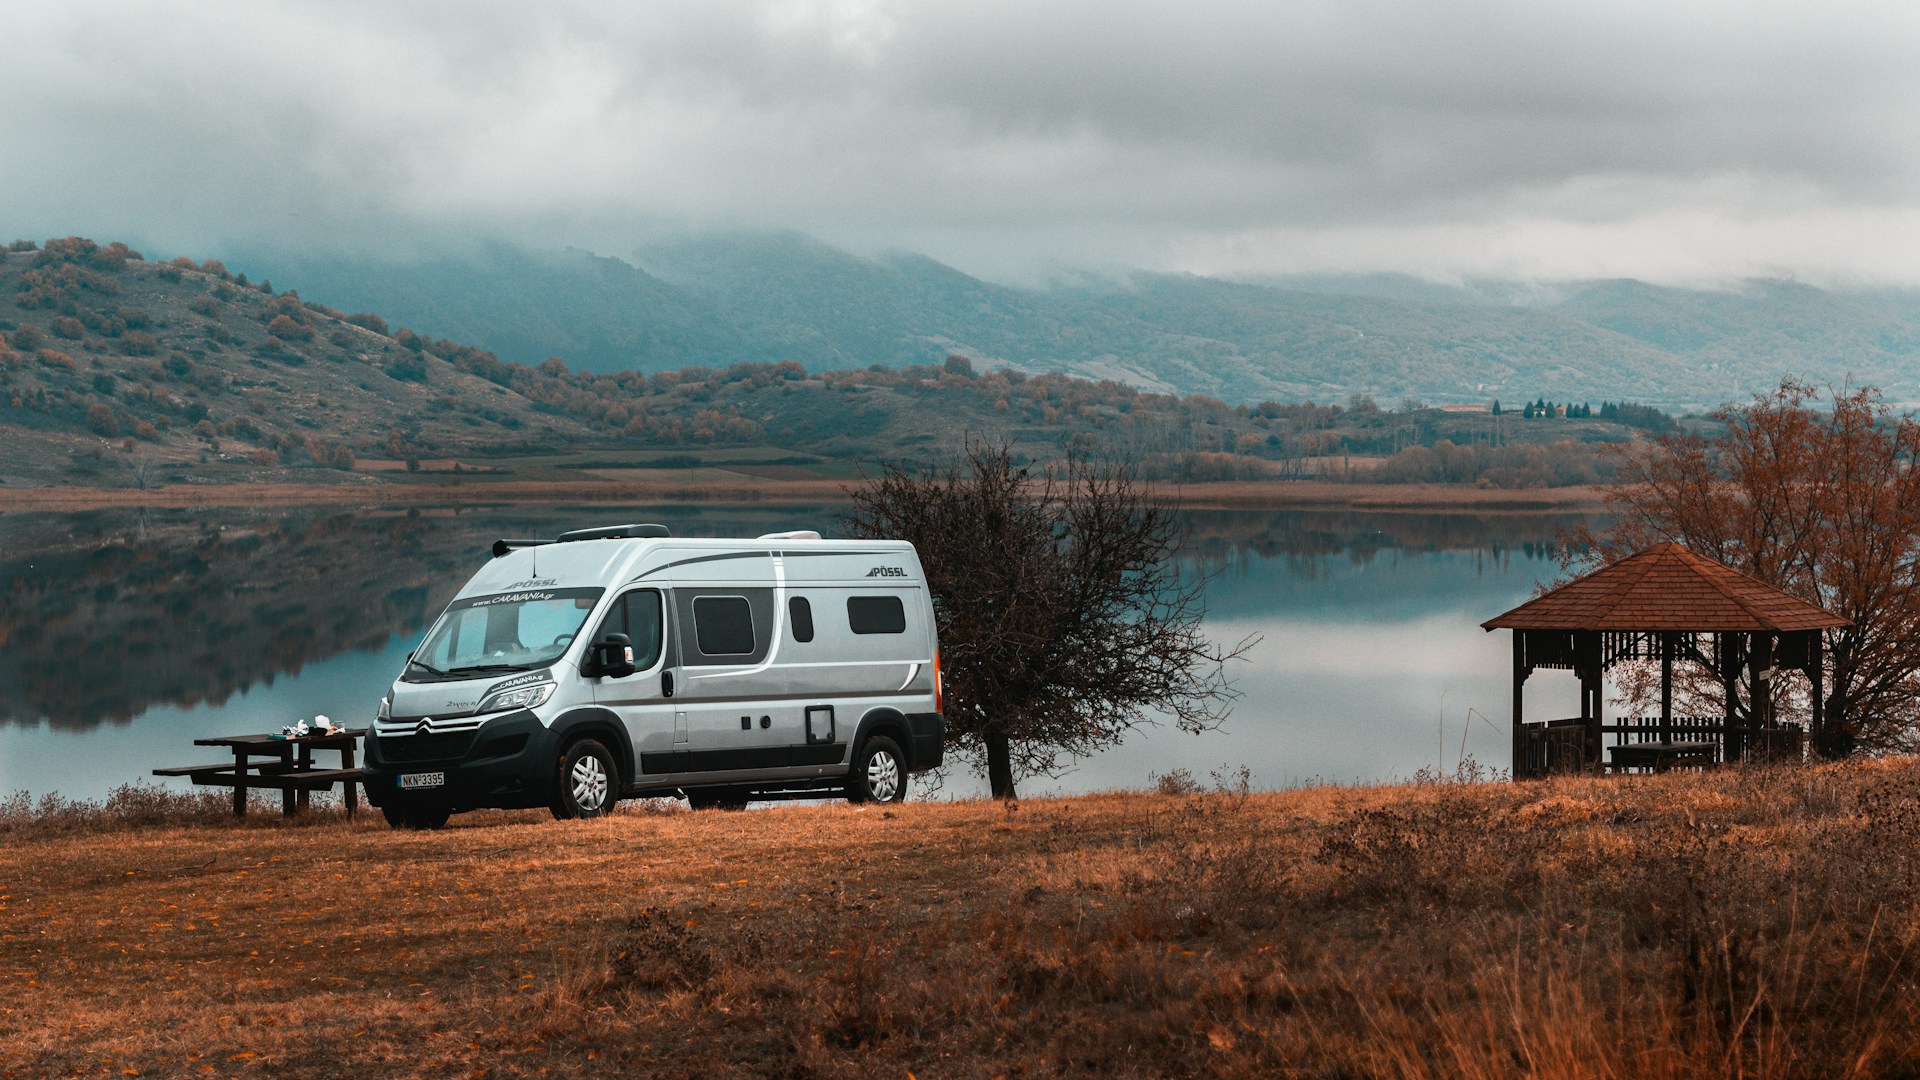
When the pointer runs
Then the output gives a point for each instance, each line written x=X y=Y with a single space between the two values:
x=723 y=625
x=800 y=617
x=637 y=615
x=876 y=615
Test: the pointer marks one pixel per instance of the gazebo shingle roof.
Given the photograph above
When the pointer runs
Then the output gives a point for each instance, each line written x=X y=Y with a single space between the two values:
x=1666 y=587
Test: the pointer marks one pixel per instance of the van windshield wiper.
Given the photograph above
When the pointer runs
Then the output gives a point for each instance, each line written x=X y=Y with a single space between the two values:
x=482 y=668
x=426 y=667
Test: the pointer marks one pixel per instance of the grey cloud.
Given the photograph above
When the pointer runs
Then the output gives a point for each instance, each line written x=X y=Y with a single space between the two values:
x=994 y=133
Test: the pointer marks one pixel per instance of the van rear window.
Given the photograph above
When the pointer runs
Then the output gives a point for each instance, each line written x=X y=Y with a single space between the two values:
x=723 y=625
x=876 y=615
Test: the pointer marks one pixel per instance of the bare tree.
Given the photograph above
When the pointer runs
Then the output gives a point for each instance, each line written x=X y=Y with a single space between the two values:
x=1063 y=620
x=1822 y=503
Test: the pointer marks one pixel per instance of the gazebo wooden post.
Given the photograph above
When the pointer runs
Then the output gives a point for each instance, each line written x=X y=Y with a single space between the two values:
x=1520 y=762
x=1816 y=666
x=1760 y=701
x=1666 y=686
x=1589 y=661
x=1732 y=656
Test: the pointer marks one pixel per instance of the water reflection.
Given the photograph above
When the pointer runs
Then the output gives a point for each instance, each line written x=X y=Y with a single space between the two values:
x=113 y=612
x=128 y=633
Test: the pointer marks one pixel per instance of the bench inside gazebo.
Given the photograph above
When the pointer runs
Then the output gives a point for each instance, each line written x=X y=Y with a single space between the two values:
x=1671 y=606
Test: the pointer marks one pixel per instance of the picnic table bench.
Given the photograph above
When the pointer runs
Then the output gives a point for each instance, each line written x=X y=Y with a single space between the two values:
x=286 y=765
x=1660 y=756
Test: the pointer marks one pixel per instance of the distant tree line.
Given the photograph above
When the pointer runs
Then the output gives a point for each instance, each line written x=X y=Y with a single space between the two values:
x=1643 y=417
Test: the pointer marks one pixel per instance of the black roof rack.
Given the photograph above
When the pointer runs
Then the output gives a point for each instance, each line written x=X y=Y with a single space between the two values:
x=605 y=532
x=615 y=532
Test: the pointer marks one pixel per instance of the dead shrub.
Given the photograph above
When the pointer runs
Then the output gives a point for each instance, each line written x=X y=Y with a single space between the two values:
x=129 y=806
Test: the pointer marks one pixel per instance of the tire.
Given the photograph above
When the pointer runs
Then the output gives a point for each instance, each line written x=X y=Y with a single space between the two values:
x=586 y=785
x=879 y=773
x=719 y=798
x=415 y=815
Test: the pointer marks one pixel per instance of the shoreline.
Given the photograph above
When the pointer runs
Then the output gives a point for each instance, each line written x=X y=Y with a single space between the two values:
x=1220 y=495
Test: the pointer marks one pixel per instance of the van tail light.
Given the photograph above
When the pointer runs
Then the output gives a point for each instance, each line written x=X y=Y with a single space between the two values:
x=939 y=687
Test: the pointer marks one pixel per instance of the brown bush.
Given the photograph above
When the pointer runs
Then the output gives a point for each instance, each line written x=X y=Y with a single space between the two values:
x=102 y=421
x=287 y=329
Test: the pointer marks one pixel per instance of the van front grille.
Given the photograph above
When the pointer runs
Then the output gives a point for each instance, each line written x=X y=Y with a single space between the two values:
x=442 y=747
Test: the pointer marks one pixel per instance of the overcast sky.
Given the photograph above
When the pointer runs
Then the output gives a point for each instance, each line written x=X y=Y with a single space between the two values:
x=1670 y=140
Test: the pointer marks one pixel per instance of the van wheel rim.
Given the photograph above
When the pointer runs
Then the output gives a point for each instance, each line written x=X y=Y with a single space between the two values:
x=883 y=776
x=589 y=783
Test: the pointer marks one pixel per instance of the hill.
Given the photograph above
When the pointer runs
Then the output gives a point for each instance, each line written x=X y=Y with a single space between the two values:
x=717 y=300
x=116 y=371
x=188 y=368
x=1741 y=922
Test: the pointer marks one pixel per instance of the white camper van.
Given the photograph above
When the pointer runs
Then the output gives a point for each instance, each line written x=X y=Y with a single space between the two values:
x=624 y=662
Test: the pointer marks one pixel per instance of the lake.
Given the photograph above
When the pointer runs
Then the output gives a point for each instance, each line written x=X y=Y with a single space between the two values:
x=127 y=634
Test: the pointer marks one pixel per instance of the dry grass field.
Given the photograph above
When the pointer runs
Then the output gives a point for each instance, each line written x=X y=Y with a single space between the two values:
x=1745 y=923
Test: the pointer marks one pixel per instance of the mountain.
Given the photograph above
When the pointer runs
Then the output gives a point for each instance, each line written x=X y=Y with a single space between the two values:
x=721 y=299
x=598 y=313
x=117 y=371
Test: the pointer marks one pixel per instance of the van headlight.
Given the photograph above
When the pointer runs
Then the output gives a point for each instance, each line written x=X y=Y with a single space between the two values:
x=520 y=697
x=386 y=707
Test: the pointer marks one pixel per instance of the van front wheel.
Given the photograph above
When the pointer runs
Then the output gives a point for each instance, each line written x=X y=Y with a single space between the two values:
x=585 y=784
x=879 y=772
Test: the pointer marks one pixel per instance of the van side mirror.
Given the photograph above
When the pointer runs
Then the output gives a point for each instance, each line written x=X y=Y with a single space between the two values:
x=614 y=656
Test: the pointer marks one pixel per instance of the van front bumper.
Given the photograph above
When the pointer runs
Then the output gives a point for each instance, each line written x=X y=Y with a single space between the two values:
x=506 y=763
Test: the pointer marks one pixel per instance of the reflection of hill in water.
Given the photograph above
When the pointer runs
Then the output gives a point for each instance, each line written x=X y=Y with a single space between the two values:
x=1365 y=565
x=111 y=612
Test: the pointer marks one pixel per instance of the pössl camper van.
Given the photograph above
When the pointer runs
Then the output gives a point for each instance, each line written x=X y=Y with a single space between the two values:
x=623 y=662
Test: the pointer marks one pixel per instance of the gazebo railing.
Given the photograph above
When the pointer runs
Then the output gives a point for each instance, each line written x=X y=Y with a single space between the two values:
x=1735 y=741
x=1553 y=747
x=1561 y=745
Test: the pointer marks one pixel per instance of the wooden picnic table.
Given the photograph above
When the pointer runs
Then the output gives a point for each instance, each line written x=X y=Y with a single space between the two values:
x=1663 y=755
x=287 y=765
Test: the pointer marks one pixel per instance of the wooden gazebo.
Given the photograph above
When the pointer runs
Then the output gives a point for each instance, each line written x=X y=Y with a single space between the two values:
x=1671 y=605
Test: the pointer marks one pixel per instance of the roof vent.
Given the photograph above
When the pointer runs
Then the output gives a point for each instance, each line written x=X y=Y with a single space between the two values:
x=798 y=534
x=615 y=532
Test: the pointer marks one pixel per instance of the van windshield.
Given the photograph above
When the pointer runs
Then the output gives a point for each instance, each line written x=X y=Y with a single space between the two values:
x=489 y=635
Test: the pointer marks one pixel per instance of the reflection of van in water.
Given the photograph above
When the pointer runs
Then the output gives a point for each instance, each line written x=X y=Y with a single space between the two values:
x=622 y=662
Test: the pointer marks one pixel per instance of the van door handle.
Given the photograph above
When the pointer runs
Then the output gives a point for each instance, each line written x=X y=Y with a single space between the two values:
x=666 y=684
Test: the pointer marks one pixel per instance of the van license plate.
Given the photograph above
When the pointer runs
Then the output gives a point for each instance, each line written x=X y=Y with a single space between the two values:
x=410 y=781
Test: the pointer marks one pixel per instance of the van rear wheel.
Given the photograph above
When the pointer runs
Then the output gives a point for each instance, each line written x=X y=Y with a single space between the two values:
x=879 y=772
x=586 y=782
